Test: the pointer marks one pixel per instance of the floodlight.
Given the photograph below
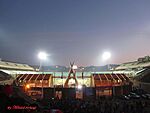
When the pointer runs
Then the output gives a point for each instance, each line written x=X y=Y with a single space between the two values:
x=106 y=55
x=42 y=56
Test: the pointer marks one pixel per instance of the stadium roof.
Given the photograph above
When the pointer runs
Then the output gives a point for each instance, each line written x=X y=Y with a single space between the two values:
x=140 y=63
x=15 y=66
x=28 y=77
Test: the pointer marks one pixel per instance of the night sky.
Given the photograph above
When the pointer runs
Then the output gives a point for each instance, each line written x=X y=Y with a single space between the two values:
x=74 y=30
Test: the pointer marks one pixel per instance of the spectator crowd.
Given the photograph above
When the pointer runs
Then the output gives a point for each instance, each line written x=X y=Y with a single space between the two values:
x=100 y=105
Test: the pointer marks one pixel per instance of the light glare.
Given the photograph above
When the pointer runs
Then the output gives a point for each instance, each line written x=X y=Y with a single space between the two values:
x=42 y=56
x=79 y=86
x=27 y=86
x=106 y=56
x=74 y=67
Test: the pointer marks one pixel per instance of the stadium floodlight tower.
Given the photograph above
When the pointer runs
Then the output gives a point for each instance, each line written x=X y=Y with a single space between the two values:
x=106 y=56
x=42 y=56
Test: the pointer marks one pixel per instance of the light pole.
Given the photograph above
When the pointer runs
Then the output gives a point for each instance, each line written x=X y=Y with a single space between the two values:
x=82 y=71
x=55 y=70
x=42 y=56
x=105 y=57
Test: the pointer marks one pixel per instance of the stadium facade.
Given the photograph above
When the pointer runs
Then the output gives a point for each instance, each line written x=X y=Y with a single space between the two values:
x=65 y=84
x=74 y=84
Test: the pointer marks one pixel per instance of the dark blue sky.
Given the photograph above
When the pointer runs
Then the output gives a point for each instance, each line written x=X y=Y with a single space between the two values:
x=79 y=30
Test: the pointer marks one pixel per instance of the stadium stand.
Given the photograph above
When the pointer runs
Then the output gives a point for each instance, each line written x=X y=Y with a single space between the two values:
x=144 y=76
x=4 y=76
x=15 y=66
x=110 y=79
x=34 y=80
x=137 y=65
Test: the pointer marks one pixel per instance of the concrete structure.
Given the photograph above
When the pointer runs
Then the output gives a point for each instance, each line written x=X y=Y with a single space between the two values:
x=64 y=84
x=93 y=85
x=135 y=65
x=15 y=66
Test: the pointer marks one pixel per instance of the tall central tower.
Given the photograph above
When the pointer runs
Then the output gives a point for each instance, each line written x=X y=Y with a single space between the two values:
x=71 y=75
